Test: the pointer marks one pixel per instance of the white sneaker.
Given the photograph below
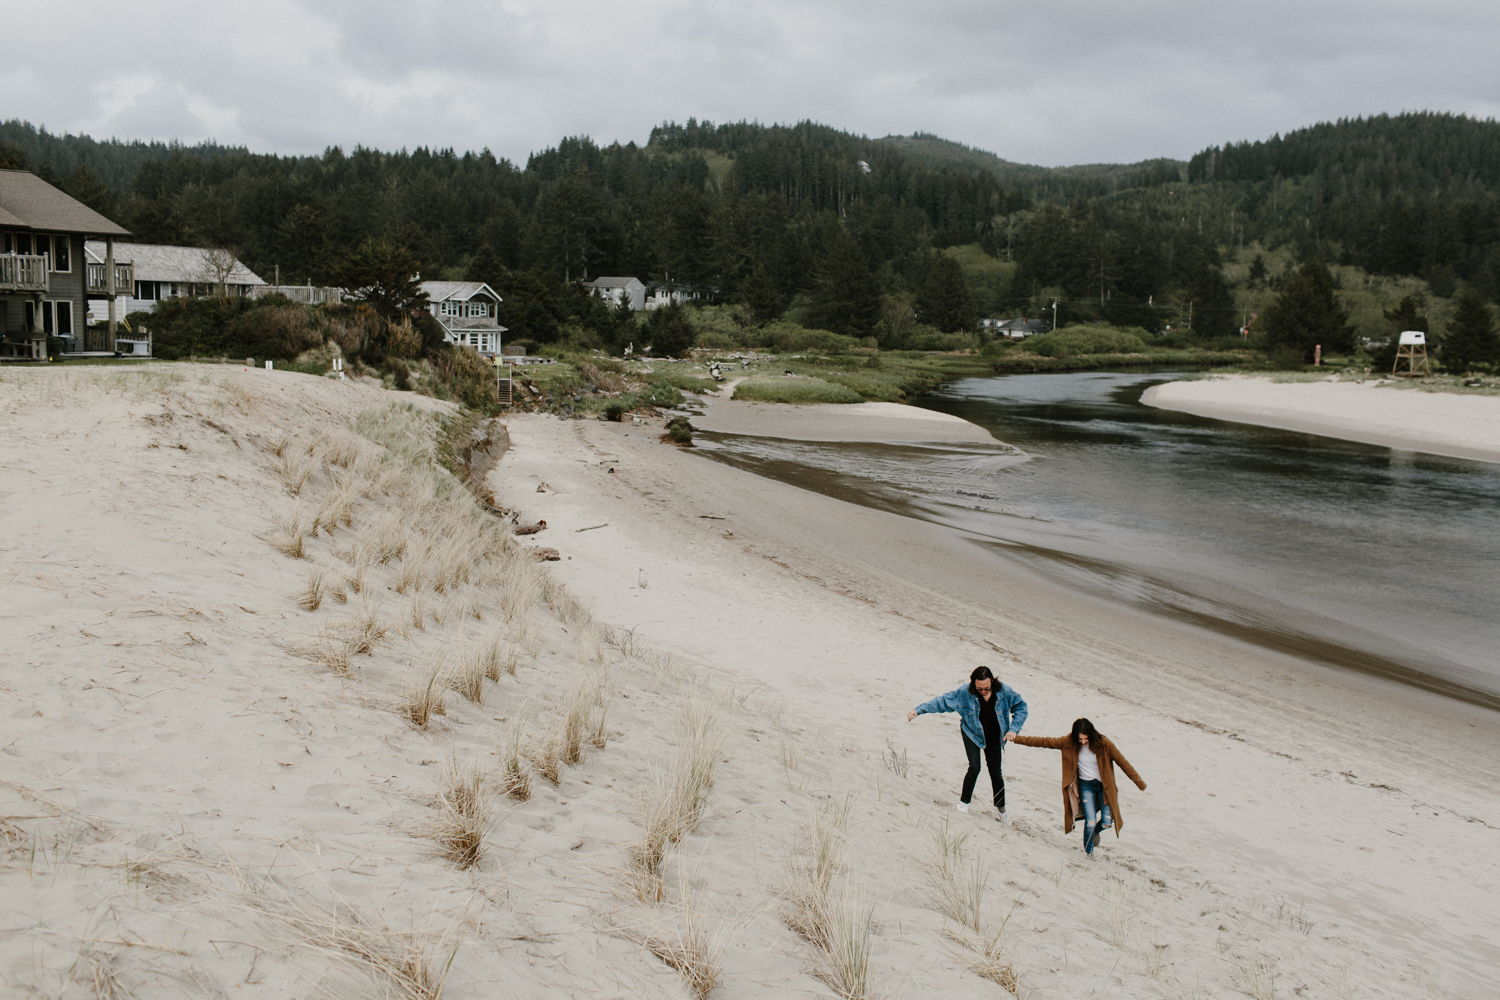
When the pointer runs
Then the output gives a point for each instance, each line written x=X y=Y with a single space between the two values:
x=962 y=807
x=1004 y=818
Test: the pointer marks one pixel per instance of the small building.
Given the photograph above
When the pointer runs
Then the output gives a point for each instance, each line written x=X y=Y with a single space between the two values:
x=168 y=272
x=469 y=312
x=659 y=294
x=617 y=289
x=1013 y=329
x=46 y=280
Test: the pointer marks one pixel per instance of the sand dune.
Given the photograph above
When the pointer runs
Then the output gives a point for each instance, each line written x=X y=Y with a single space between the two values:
x=1372 y=412
x=200 y=799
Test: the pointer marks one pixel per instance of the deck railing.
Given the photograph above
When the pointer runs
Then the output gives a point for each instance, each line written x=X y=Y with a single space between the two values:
x=124 y=279
x=23 y=272
x=312 y=295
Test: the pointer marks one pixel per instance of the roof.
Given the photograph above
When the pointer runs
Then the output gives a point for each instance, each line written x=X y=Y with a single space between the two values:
x=27 y=200
x=155 y=262
x=612 y=281
x=457 y=291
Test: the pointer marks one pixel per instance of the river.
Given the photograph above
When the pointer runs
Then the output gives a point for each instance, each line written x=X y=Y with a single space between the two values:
x=1359 y=556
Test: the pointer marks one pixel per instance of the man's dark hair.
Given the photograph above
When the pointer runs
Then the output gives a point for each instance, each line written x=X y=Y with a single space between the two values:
x=983 y=674
x=1085 y=726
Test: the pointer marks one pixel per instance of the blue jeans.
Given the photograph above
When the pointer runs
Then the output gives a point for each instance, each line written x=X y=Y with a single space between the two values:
x=1095 y=812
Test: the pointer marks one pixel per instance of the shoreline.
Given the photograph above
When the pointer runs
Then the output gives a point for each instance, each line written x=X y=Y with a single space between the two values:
x=1446 y=424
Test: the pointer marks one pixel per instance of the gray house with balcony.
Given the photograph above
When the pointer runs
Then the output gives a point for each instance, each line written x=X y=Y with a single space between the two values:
x=469 y=313
x=45 y=277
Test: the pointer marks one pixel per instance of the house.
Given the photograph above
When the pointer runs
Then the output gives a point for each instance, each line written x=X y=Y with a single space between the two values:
x=46 y=281
x=617 y=289
x=1013 y=329
x=168 y=272
x=660 y=294
x=469 y=313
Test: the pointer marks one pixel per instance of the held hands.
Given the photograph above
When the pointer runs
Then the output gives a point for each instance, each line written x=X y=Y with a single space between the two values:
x=1010 y=737
x=911 y=715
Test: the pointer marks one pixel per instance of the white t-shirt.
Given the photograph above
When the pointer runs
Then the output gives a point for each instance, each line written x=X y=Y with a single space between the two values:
x=1088 y=765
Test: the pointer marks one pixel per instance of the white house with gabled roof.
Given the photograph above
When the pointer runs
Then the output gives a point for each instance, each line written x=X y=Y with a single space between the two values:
x=615 y=289
x=469 y=312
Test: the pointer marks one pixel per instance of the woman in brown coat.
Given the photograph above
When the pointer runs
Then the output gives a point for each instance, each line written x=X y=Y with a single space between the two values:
x=1088 y=779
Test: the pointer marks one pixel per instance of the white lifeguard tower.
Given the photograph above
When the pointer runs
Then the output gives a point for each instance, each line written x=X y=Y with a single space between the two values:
x=1411 y=354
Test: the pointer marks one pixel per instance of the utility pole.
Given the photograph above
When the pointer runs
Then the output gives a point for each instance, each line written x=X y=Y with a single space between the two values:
x=1054 y=315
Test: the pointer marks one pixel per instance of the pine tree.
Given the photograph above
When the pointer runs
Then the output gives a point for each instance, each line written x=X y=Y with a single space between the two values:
x=669 y=332
x=944 y=300
x=1471 y=339
x=762 y=295
x=1214 y=315
x=385 y=275
x=1307 y=313
x=484 y=266
x=846 y=298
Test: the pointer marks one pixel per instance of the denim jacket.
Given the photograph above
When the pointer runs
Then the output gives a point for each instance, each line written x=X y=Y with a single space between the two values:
x=1010 y=710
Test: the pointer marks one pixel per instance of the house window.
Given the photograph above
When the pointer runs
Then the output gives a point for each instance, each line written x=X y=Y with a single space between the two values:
x=23 y=243
x=7 y=241
x=43 y=244
x=61 y=258
x=64 y=324
x=146 y=290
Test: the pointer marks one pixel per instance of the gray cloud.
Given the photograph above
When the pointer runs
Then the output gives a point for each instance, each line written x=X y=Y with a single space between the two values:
x=1071 y=81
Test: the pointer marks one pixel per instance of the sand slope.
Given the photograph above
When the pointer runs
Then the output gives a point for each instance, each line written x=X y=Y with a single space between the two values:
x=194 y=805
x=1457 y=425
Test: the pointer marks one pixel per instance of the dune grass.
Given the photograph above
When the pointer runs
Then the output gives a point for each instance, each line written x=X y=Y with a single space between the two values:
x=463 y=816
x=798 y=389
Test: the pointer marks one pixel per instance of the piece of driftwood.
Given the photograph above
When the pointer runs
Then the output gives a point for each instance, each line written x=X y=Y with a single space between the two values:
x=544 y=554
x=591 y=527
x=531 y=529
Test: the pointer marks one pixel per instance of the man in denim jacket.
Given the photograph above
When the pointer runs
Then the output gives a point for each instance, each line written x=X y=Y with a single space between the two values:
x=989 y=714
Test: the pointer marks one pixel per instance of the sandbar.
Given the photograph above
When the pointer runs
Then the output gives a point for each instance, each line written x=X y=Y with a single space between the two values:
x=1375 y=412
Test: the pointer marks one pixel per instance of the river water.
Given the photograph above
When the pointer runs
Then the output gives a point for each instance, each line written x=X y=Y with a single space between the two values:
x=1359 y=556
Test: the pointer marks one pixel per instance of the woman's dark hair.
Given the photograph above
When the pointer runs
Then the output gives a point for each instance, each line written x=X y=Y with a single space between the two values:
x=983 y=674
x=1085 y=726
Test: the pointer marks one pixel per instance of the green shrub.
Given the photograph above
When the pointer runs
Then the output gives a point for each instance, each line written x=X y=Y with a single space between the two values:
x=788 y=336
x=680 y=430
x=614 y=410
x=936 y=341
x=868 y=386
x=795 y=390
x=1088 y=339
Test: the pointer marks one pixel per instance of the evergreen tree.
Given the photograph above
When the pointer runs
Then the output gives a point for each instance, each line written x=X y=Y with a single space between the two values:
x=846 y=298
x=385 y=275
x=944 y=300
x=484 y=266
x=1214 y=315
x=1406 y=316
x=1307 y=313
x=1258 y=271
x=1471 y=339
x=764 y=297
x=87 y=187
x=669 y=332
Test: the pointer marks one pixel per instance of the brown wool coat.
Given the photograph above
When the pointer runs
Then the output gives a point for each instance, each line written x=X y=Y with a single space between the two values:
x=1107 y=756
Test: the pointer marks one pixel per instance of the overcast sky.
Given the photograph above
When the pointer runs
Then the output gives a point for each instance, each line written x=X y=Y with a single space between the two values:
x=1049 y=82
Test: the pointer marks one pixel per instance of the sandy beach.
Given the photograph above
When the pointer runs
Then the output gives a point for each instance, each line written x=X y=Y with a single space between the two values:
x=1371 y=412
x=213 y=788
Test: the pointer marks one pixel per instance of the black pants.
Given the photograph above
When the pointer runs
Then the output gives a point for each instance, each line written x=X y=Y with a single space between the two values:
x=992 y=751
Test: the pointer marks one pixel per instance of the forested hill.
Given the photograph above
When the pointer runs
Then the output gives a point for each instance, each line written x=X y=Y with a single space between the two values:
x=784 y=214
